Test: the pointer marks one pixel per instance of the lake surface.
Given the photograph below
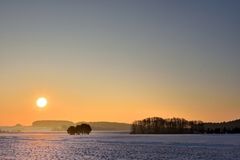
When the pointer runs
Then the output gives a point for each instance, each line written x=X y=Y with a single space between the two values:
x=119 y=146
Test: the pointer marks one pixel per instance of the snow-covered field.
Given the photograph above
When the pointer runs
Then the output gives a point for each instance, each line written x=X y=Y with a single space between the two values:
x=116 y=146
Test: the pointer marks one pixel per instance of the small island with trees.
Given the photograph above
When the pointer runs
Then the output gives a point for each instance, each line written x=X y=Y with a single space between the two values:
x=79 y=129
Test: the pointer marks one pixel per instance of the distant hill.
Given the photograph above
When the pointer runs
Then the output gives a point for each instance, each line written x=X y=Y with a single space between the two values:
x=60 y=125
x=108 y=126
x=55 y=125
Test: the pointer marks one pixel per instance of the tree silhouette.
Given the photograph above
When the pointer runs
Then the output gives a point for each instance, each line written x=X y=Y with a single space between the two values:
x=83 y=129
x=79 y=129
x=86 y=128
x=71 y=130
x=157 y=125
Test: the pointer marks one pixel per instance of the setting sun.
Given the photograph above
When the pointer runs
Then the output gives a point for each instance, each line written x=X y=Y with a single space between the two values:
x=41 y=102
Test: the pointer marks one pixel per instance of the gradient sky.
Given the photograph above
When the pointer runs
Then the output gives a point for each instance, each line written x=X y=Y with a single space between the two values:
x=119 y=60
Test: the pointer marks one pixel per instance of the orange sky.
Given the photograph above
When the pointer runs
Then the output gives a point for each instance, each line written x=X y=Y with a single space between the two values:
x=106 y=103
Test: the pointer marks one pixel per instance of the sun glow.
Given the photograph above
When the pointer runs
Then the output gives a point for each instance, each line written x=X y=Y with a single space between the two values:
x=41 y=102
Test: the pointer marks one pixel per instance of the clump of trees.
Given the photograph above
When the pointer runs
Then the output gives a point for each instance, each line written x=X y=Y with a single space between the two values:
x=157 y=125
x=79 y=129
x=223 y=127
x=71 y=130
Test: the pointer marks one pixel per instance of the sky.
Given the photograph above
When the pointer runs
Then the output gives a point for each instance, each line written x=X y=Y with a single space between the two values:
x=119 y=61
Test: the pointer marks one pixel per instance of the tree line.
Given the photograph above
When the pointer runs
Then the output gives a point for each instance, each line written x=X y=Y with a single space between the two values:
x=157 y=125
x=79 y=129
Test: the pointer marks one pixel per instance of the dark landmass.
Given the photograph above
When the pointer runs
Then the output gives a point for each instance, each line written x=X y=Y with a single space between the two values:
x=157 y=125
x=223 y=127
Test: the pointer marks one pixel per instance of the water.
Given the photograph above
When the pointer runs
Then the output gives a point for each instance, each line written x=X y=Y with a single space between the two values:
x=116 y=146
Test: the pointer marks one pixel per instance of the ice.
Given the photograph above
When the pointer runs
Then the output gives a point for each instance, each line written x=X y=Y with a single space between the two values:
x=119 y=146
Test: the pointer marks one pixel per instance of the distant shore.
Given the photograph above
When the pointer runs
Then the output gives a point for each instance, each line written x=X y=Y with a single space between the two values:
x=153 y=125
x=158 y=125
x=61 y=126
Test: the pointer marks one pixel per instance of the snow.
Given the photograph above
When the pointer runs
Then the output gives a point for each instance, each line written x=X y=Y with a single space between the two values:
x=116 y=146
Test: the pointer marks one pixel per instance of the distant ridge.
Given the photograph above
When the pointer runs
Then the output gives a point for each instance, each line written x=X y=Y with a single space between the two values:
x=61 y=125
x=55 y=125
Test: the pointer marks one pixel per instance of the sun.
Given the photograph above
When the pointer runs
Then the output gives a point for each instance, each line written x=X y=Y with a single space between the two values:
x=41 y=102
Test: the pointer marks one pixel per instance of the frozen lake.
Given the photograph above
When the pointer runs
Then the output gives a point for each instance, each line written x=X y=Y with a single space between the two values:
x=116 y=146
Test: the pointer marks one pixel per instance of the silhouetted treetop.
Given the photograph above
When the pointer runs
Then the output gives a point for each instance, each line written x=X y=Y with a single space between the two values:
x=71 y=130
x=79 y=129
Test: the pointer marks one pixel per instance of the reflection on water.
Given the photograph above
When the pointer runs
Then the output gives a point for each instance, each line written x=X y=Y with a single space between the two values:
x=119 y=146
